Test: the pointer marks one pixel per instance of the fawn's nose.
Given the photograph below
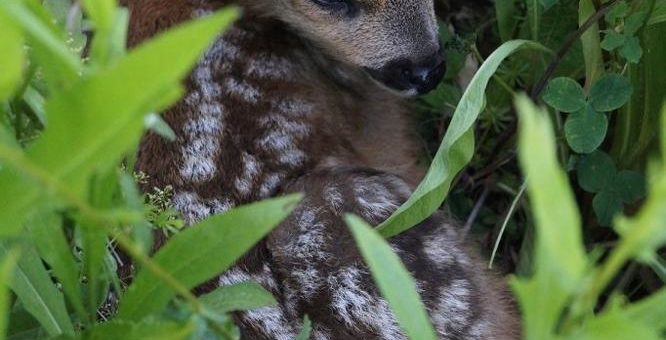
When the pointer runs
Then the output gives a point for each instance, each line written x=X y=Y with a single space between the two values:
x=412 y=78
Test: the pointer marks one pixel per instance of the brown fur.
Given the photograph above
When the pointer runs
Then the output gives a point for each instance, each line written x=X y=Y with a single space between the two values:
x=358 y=138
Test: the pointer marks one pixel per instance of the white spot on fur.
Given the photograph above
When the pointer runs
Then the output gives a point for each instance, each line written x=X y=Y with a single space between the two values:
x=294 y=107
x=452 y=311
x=270 y=184
x=307 y=249
x=251 y=169
x=270 y=67
x=295 y=128
x=194 y=209
x=241 y=89
x=355 y=305
x=374 y=199
x=439 y=249
x=272 y=322
x=203 y=132
x=333 y=197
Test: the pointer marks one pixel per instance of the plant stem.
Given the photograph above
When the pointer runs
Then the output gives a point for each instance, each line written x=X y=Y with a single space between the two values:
x=571 y=40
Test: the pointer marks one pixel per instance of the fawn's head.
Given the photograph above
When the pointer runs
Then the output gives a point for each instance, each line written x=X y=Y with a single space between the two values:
x=396 y=41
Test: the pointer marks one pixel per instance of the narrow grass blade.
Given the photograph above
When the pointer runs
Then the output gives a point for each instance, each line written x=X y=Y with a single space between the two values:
x=393 y=280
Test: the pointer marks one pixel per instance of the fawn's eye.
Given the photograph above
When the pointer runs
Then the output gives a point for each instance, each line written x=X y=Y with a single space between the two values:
x=339 y=6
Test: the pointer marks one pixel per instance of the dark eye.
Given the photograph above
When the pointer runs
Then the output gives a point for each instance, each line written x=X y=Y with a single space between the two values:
x=343 y=6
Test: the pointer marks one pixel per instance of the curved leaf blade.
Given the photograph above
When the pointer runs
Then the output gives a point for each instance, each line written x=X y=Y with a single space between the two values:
x=393 y=280
x=33 y=286
x=203 y=251
x=455 y=150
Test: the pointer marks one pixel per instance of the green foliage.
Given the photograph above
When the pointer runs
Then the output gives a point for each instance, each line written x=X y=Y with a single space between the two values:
x=70 y=124
x=67 y=202
x=455 y=150
x=215 y=243
x=560 y=264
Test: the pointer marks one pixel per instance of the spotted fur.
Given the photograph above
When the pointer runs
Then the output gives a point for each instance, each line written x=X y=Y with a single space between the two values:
x=272 y=109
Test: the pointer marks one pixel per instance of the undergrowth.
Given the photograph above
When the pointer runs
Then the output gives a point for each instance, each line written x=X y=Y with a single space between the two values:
x=553 y=157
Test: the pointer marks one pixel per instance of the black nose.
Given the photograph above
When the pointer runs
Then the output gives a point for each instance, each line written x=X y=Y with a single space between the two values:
x=413 y=78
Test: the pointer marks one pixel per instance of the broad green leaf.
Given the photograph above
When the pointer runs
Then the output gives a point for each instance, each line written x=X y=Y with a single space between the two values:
x=7 y=265
x=632 y=50
x=203 y=251
x=607 y=204
x=144 y=330
x=393 y=280
x=242 y=296
x=611 y=92
x=455 y=150
x=565 y=95
x=49 y=239
x=639 y=17
x=305 y=332
x=11 y=58
x=644 y=233
x=613 y=40
x=630 y=185
x=89 y=131
x=37 y=293
x=595 y=171
x=650 y=310
x=614 y=325
x=559 y=259
x=506 y=12
x=585 y=130
x=618 y=12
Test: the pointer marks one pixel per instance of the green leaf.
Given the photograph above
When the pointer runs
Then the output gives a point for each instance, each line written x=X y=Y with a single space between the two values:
x=565 y=95
x=145 y=329
x=60 y=66
x=203 y=251
x=644 y=233
x=591 y=44
x=630 y=185
x=51 y=243
x=156 y=124
x=618 y=12
x=613 y=40
x=547 y=4
x=650 y=310
x=455 y=150
x=611 y=92
x=305 y=332
x=7 y=265
x=559 y=259
x=11 y=58
x=607 y=204
x=37 y=293
x=393 y=280
x=614 y=325
x=632 y=50
x=92 y=125
x=596 y=171
x=658 y=13
x=585 y=130
x=238 y=297
x=102 y=12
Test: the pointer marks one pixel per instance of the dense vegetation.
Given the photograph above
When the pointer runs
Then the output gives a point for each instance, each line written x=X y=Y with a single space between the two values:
x=568 y=197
